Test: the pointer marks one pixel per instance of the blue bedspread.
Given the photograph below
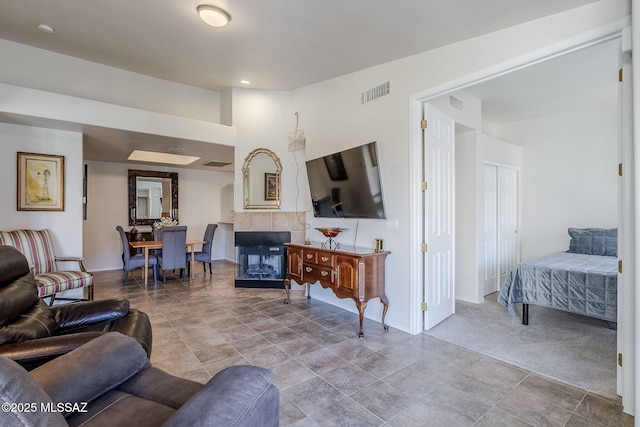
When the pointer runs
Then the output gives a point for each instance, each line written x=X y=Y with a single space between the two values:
x=578 y=283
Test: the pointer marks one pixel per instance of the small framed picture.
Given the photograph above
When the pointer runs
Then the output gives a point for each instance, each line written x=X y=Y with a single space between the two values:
x=40 y=182
x=271 y=189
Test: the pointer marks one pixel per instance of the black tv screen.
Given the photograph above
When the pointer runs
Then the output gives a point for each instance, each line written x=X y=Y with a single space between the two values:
x=347 y=184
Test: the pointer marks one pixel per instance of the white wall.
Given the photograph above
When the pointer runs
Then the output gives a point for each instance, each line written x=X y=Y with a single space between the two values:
x=473 y=151
x=569 y=175
x=466 y=256
x=462 y=107
x=52 y=72
x=66 y=226
x=263 y=119
x=334 y=120
x=199 y=204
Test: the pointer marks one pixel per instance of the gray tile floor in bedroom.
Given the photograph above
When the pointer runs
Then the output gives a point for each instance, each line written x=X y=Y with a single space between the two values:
x=327 y=376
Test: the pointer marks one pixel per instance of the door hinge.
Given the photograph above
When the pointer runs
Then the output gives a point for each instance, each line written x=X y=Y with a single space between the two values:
x=424 y=247
x=620 y=266
x=423 y=124
x=424 y=185
x=620 y=75
x=619 y=359
x=619 y=169
x=424 y=308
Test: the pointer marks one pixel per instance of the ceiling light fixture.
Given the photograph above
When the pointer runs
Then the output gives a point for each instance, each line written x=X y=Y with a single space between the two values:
x=213 y=16
x=155 y=157
x=245 y=82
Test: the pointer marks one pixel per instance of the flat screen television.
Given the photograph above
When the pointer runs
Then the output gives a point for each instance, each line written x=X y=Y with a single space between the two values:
x=347 y=184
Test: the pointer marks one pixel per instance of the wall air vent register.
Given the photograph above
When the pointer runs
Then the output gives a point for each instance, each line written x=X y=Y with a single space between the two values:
x=375 y=93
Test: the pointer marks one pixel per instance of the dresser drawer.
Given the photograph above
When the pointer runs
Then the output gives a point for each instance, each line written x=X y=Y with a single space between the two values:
x=313 y=273
x=324 y=259
x=309 y=256
x=318 y=257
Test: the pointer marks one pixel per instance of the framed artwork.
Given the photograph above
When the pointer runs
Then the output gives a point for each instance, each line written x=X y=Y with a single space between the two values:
x=335 y=167
x=40 y=182
x=271 y=189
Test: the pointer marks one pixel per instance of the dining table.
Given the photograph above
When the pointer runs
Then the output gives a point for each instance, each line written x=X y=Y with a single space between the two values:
x=157 y=244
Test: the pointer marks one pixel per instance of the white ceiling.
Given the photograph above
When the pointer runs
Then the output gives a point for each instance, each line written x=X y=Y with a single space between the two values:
x=276 y=44
x=567 y=82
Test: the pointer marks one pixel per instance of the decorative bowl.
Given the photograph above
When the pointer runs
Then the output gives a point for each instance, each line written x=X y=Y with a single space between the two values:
x=330 y=232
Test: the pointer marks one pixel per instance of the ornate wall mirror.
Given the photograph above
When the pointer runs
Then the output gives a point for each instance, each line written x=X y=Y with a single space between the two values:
x=152 y=195
x=261 y=175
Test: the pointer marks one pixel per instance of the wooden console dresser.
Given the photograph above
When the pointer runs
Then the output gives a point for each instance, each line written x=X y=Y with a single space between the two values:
x=350 y=272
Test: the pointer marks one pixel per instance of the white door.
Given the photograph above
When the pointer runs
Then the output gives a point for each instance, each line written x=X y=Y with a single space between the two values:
x=507 y=220
x=489 y=230
x=627 y=372
x=499 y=226
x=438 y=162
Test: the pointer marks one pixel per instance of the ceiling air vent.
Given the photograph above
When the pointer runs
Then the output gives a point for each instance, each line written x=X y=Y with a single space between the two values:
x=216 y=164
x=456 y=103
x=375 y=93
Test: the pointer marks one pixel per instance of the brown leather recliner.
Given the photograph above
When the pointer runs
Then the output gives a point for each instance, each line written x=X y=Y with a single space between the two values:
x=32 y=333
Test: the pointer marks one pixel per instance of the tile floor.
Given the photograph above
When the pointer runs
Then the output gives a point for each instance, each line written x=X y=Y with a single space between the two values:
x=327 y=376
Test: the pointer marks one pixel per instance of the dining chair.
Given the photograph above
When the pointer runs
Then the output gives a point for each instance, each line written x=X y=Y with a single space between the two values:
x=174 y=246
x=131 y=262
x=203 y=256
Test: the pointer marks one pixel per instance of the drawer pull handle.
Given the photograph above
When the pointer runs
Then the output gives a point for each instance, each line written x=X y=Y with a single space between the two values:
x=325 y=258
x=325 y=273
x=308 y=269
x=309 y=256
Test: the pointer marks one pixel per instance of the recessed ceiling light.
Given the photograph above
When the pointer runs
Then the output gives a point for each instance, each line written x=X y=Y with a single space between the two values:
x=154 y=157
x=213 y=16
x=46 y=28
x=245 y=82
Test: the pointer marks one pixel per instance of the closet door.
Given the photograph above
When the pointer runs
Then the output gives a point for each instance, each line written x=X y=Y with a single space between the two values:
x=507 y=220
x=499 y=227
x=489 y=230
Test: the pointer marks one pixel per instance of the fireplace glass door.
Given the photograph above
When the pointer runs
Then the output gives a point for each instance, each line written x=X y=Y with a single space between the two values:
x=261 y=259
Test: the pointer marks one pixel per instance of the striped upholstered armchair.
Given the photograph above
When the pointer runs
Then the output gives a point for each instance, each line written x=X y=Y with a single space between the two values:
x=37 y=247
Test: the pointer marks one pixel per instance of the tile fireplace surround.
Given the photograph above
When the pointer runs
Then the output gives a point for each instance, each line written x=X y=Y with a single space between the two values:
x=272 y=221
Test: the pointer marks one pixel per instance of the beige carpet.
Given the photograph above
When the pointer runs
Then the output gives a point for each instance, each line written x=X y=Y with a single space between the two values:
x=574 y=349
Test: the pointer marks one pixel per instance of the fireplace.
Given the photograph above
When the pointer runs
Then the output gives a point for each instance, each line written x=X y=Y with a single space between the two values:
x=261 y=259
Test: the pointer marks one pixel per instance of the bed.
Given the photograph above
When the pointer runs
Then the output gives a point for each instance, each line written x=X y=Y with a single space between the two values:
x=582 y=280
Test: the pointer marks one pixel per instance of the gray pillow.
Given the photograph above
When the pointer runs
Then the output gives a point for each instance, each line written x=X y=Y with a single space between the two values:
x=17 y=387
x=594 y=241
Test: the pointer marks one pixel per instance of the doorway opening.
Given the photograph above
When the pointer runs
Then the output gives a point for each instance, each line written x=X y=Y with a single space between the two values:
x=548 y=141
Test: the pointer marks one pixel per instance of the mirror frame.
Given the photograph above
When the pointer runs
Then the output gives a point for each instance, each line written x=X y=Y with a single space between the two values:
x=273 y=204
x=133 y=175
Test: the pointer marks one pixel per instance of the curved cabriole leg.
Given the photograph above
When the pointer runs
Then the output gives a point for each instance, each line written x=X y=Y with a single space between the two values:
x=361 y=307
x=287 y=285
x=385 y=302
